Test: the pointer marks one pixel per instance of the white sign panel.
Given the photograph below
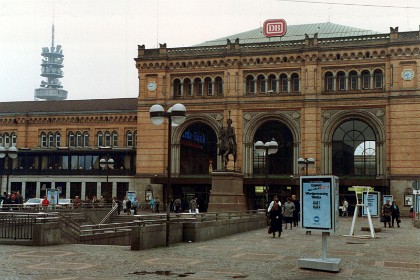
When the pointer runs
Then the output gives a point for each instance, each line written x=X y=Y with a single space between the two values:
x=319 y=207
x=372 y=200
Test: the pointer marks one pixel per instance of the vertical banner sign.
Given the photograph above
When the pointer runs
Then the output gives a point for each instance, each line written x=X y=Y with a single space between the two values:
x=372 y=200
x=319 y=207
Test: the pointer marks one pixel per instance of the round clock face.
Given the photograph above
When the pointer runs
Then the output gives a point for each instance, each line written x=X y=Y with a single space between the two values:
x=407 y=74
x=151 y=86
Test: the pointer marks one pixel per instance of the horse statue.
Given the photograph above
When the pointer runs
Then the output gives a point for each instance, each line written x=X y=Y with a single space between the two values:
x=227 y=145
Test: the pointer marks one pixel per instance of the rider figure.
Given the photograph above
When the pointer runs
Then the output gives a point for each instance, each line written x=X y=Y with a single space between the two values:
x=230 y=131
x=228 y=139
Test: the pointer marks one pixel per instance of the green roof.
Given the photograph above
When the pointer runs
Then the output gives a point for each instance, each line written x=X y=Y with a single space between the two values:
x=294 y=33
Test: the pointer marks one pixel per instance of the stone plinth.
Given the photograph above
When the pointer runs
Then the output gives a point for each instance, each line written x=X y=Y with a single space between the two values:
x=227 y=193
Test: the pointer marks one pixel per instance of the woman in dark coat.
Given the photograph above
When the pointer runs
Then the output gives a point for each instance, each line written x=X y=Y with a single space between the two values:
x=386 y=213
x=276 y=217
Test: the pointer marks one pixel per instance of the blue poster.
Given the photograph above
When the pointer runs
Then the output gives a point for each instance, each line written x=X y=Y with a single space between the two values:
x=131 y=195
x=316 y=205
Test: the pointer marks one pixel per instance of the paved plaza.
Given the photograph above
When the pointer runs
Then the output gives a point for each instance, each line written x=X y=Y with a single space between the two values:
x=394 y=254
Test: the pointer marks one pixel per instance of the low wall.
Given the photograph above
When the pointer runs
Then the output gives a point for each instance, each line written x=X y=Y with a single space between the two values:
x=46 y=234
x=151 y=236
x=121 y=238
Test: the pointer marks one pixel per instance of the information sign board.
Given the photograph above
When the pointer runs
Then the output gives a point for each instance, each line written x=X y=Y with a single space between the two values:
x=372 y=200
x=319 y=203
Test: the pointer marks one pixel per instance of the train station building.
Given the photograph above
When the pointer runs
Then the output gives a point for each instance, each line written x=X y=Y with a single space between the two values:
x=343 y=99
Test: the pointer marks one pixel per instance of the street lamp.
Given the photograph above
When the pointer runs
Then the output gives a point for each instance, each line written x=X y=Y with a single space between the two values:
x=306 y=162
x=10 y=152
x=107 y=163
x=266 y=149
x=176 y=115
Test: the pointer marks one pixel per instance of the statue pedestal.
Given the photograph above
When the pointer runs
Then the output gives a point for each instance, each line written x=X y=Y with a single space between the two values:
x=227 y=193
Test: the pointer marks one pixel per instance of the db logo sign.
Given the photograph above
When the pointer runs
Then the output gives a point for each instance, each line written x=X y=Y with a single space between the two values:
x=274 y=27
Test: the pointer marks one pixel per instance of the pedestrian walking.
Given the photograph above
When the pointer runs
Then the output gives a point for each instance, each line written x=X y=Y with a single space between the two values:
x=157 y=204
x=128 y=204
x=135 y=205
x=296 y=212
x=276 y=218
x=124 y=205
x=152 y=204
x=288 y=209
x=395 y=213
x=345 y=208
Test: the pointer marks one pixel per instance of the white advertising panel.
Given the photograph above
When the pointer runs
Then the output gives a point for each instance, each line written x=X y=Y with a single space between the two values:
x=371 y=199
x=319 y=203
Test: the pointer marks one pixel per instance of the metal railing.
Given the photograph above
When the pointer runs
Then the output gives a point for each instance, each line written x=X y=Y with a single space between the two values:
x=18 y=226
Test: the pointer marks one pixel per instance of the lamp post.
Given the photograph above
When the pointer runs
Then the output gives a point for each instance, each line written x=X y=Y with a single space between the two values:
x=10 y=152
x=107 y=163
x=266 y=149
x=306 y=162
x=176 y=115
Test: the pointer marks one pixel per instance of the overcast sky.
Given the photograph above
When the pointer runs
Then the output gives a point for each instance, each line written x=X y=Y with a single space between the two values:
x=100 y=37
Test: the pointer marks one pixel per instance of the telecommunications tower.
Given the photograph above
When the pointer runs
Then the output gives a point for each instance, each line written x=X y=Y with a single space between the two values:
x=51 y=88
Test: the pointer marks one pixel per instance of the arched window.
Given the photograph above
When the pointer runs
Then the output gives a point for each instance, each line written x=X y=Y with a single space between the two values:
x=79 y=139
x=129 y=139
x=295 y=83
x=198 y=147
x=114 y=139
x=272 y=83
x=58 y=139
x=51 y=139
x=14 y=138
x=365 y=79
x=198 y=87
x=100 y=136
x=208 y=86
x=261 y=84
x=329 y=81
x=85 y=139
x=72 y=140
x=187 y=88
x=284 y=83
x=6 y=138
x=341 y=80
x=280 y=162
x=378 y=78
x=42 y=140
x=219 y=86
x=177 y=87
x=354 y=149
x=250 y=84
x=107 y=139
x=354 y=85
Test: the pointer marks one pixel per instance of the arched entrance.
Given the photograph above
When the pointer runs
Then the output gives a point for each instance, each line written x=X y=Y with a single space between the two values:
x=269 y=168
x=198 y=156
x=354 y=149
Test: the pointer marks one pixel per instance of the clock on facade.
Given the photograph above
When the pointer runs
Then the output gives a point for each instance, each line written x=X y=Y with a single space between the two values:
x=408 y=74
x=151 y=86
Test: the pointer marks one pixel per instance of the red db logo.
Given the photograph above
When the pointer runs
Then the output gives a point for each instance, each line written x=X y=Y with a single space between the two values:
x=274 y=27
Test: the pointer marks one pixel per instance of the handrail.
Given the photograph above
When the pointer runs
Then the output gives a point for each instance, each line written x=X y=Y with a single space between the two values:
x=113 y=209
